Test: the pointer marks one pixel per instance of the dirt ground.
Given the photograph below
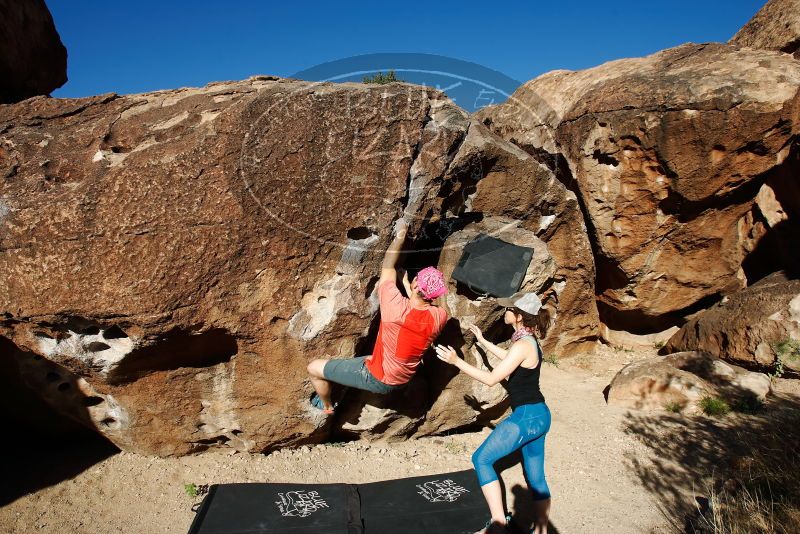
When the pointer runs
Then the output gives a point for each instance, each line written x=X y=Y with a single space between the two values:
x=597 y=467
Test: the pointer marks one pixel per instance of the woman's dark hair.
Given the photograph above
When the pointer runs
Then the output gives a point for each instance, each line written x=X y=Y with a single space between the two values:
x=539 y=322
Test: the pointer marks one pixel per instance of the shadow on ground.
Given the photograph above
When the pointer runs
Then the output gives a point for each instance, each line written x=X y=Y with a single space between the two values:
x=30 y=469
x=690 y=459
x=42 y=445
x=521 y=507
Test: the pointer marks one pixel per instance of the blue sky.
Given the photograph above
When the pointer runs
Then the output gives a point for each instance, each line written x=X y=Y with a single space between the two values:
x=131 y=47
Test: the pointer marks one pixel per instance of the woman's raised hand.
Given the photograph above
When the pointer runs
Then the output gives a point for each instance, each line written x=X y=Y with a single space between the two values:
x=446 y=354
x=477 y=331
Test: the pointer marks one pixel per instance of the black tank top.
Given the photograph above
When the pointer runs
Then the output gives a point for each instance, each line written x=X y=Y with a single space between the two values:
x=523 y=383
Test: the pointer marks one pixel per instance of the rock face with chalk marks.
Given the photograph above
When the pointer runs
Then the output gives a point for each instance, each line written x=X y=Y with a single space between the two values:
x=172 y=260
x=179 y=256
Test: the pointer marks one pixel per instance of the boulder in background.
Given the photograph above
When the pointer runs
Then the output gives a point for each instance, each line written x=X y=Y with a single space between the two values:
x=33 y=61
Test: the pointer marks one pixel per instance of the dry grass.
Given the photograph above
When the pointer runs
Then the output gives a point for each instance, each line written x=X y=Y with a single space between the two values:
x=747 y=464
x=583 y=362
x=761 y=492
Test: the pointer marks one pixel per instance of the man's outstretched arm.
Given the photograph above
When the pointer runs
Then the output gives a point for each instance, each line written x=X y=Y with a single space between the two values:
x=393 y=252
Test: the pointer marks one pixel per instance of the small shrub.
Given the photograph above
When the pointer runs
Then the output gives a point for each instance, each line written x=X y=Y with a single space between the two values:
x=786 y=350
x=714 y=406
x=193 y=490
x=190 y=489
x=748 y=405
x=551 y=359
x=382 y=78
x=454 y=448
x=658 y=345
x=582 y=362
x=777 y=369
x=674 y=407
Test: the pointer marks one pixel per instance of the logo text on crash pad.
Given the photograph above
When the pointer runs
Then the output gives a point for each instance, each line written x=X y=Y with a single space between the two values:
x=299 y=503
x=441 y=491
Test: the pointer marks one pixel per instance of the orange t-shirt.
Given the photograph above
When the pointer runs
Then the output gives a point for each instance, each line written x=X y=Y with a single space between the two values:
x=404 y=335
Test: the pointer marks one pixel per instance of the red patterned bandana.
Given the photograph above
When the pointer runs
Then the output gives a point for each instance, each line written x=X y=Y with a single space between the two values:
x=522 y=332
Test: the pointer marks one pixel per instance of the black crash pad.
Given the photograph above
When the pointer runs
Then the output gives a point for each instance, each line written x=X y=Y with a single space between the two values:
x=490 y=266
x=442 y=504
x=272 y=508
x=446 y=503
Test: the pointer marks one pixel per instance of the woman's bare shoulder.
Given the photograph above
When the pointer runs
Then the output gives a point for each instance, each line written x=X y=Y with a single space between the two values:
x=529 y=346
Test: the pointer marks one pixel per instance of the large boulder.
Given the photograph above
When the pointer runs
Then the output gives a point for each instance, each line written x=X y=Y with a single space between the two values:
x=683 y=380
x=668 y=154
x=180 y=256
x=776 y=26
x=198 y=247
x=754 y=327
x=32 y=59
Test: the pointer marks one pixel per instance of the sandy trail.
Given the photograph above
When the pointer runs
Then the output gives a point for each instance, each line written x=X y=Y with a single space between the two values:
x=594 y=488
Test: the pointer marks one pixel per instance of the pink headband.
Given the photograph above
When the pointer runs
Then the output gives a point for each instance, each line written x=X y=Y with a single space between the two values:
x=430 y=282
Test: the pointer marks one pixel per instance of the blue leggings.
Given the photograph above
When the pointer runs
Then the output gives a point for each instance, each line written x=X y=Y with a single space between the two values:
x=525 y=427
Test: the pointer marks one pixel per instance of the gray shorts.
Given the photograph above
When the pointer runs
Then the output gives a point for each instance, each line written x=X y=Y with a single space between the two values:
x=353 y=372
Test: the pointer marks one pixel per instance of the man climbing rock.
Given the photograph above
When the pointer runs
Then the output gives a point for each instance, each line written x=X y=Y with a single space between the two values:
x=408 y=327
